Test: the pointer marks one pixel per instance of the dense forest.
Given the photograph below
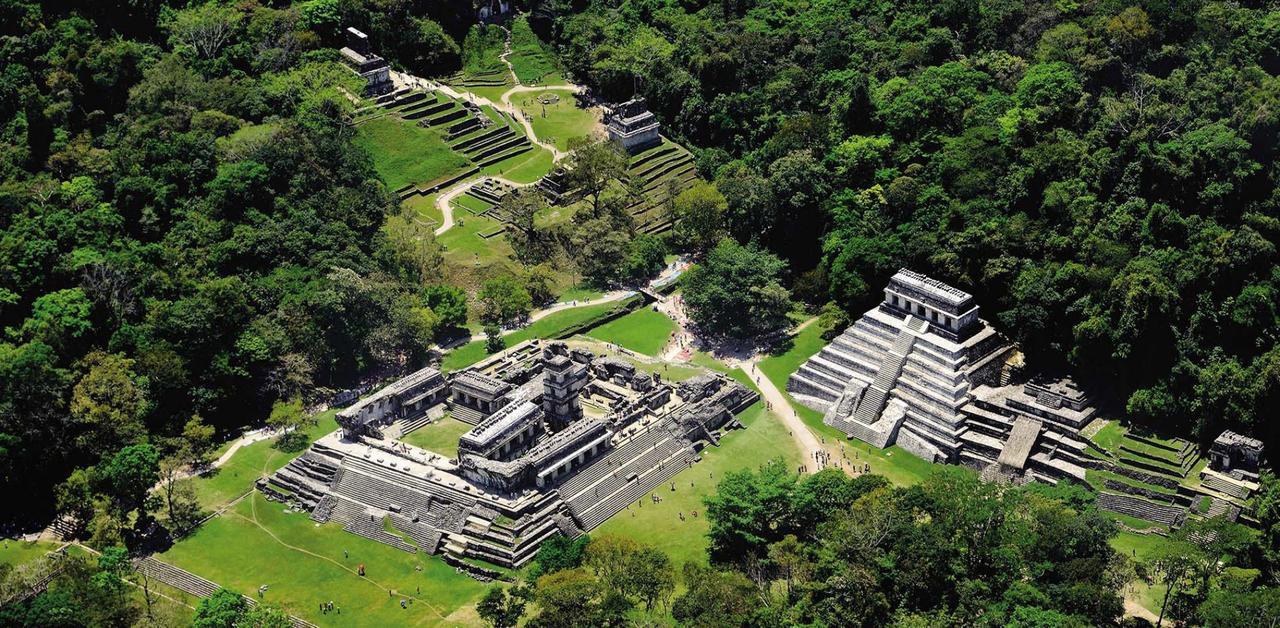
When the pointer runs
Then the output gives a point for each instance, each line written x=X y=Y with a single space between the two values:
x=188 y=235
x=1100 y=174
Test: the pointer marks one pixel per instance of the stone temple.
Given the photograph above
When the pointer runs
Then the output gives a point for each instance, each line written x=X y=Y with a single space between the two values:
x=633 y=125
x=561 y=440
x=923 y=371
x=359 y=56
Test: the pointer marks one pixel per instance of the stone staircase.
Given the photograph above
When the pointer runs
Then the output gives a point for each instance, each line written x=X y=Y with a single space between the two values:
x=1222 y=485
x=890 y=368
x=470 y=416
x=1141 y=508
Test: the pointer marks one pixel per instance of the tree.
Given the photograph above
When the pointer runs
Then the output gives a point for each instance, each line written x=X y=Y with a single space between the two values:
x=288 y=418
x=601 y=250
x=568 y=598
x=652 y=576
x=450 y=306
x=748 y=511
x=223 y=609
x=646 y=256
x=699 y=215
x=75 y=498
x=519 y=209
x=197 y=442
x=108 y=403
x=59 y=318
x=718 y=599
x=556 y=553
x=500 y=610
x=493 y=341
x=206 y=28
x=609 y=557
x=592 y=167
x=503 y=301
x=127 y=477
x=737 y=291
x=181 y=505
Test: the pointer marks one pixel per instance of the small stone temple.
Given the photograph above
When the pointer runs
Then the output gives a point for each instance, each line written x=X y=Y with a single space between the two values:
x=359 y=56
x=923 y=371
x=560 y=441
x=632 y=125
x=1233 y=453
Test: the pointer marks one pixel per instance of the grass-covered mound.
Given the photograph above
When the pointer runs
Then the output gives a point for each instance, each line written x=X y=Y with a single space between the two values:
x=404 y=153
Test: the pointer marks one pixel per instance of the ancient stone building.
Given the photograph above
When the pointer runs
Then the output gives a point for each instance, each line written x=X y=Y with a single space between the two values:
x=633 y=125
x=1235 y=452
x=564 y=375
x=407 y=398
x=476 y=396
x=903 y=371
x=360 y=57
x=514 y=482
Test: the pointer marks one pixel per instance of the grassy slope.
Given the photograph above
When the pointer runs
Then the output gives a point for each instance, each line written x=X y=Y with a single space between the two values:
x=529 y=58
x=440 y=436
x=425 y=206
x=405 y=153
x=258 y=543
x=644 y=331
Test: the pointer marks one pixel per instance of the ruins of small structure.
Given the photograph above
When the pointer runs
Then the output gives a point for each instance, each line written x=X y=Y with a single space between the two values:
x=632 y=125
x=561 y=441
x=359 y=56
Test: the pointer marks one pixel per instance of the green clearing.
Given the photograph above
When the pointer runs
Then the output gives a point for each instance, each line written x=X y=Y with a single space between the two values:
x=670 y=371
x=404 y=153
x=643 y=331
x=546 y=327
x=425 y=206
x=16 y=552
x=530 y=60
x=258 y=542
x=558 y=122
x=255 y=460
x=463 y=244
x=686 y=541
x=580 y=293
x=524 y=168
x=440 y=436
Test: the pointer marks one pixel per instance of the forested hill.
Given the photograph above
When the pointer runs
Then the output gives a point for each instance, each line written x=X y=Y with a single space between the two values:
x=1101 y=174
x=187 y=233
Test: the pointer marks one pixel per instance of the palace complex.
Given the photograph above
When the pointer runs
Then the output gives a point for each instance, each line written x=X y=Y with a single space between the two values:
x=561 y=441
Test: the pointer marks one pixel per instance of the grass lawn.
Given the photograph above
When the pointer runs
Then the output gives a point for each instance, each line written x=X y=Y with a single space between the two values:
x=463 y=244
x=660 y=524
x=425 y=206
x=15 y=552
x=644 y=331
x=580 y=293
x=405 y=153
x=558 y=122
x=523 y=168
x=440 y=436
x=258 y=542
x=236 y=477
x=547 y=327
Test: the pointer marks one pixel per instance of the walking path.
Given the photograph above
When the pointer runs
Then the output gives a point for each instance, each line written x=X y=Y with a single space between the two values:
x=444 y=202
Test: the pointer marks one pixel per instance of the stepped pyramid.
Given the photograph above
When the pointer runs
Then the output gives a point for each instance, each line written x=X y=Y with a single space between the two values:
x=902 y=372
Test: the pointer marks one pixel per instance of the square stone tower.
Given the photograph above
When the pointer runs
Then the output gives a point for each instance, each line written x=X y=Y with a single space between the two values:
x=565 y=373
